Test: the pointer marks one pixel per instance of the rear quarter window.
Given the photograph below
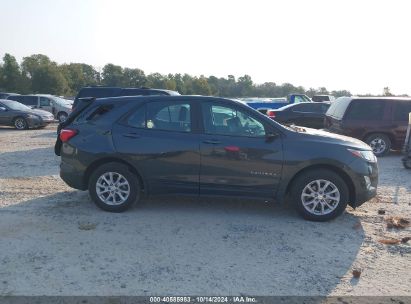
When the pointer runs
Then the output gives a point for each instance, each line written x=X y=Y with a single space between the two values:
x=94 y=113
x=402 y=110
x=338 y=108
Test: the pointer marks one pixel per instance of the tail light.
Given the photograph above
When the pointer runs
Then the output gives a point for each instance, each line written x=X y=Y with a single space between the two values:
x=271 y=113
x=66 y=134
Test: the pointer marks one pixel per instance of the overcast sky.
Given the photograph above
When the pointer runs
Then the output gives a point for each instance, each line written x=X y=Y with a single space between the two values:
x=357 y=45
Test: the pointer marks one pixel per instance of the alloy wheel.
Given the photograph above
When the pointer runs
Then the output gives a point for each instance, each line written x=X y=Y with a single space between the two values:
x=378 y=145
x=112 y=188
x=20 y=124
x=62 y=117
x=320 y=197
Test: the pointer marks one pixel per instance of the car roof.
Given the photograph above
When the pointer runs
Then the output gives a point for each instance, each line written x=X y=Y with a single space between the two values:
x=377 y=98
x=291 y=105
x=125 y=88
x=167 y=98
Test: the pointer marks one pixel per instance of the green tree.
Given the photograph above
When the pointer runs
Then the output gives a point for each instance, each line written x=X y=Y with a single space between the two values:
x=387 y=92
x=245 y=86
x=112 y=75
x=200 y=86
x=79 y=75
x=134 y=78
x=341 y=93
x=45 y=75
x=156 y=80
x=10 y=74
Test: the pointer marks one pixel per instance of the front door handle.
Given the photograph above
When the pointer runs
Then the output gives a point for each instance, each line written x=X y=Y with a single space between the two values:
x=131 y=135
x=212 y=142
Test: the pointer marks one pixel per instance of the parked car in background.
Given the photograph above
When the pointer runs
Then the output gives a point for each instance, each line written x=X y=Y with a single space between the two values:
x=264 y=104
x=380 y=122
x=101 y=92
x=4 y=95
x=59 y=107
x=123 y=148
x=13 y=113
x=323 y=98
x=306 y=114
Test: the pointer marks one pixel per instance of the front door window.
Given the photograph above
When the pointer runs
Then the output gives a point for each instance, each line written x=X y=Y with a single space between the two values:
x=226 y=120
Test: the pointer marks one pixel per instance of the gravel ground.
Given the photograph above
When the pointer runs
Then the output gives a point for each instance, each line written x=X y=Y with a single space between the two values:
x=54 y=241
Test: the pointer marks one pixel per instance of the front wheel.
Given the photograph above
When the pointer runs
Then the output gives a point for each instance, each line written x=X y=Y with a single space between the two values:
x=379 y=143
x=319 y=195
x=113 y=187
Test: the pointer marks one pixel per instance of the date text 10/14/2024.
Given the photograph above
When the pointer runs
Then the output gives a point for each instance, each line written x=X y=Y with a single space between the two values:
x=205 y=299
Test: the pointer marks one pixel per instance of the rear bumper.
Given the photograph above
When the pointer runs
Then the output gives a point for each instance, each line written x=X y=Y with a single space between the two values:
x=71 y=176
x=364 y=176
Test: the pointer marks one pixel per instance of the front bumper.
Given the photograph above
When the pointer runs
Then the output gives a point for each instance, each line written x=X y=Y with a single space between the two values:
x=38 y=122
x=364 y=176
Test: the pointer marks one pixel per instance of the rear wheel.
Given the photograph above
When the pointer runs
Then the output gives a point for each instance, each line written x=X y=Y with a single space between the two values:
x=379 y=143
x=20 y=123
x=319 y=195
x=62 y=116
x=113 y=187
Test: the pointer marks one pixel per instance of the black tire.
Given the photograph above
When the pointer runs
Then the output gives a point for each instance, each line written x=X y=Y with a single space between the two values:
x=375 y=141
x=123 y=170
x=308 y=177
x=20 y=123
x=407 y=163
x=62 y=117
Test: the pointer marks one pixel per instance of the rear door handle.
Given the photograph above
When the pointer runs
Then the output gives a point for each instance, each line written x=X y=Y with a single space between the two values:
x=212 y=142
x=131 y=135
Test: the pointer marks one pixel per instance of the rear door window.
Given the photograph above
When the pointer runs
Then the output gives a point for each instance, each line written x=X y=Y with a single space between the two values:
x=30 y=100
x=366 y=110
x=166 y=116
x=402 y=110
x=162 y=116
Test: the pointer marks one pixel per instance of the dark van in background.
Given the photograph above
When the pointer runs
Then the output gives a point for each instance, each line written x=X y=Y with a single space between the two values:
x=381 y=122
x=101 y=92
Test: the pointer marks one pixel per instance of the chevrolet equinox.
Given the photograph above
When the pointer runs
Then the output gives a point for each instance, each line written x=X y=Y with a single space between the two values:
x=122 y=148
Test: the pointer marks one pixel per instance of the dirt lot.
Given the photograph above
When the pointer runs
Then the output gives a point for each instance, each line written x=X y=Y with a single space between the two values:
x=54 y=241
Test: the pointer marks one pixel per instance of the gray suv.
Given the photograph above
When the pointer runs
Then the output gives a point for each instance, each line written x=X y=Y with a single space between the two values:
x=59 y=107
x=122 y=148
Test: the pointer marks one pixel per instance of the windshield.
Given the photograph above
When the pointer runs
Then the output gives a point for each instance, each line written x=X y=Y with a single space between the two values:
x=14 y=105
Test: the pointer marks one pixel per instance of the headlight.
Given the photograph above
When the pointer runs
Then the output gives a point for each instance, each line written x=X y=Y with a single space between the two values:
x=33 y=116
x=367 y=155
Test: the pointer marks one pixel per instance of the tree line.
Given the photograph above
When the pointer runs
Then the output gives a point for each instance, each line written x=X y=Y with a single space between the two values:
x=38 y=74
